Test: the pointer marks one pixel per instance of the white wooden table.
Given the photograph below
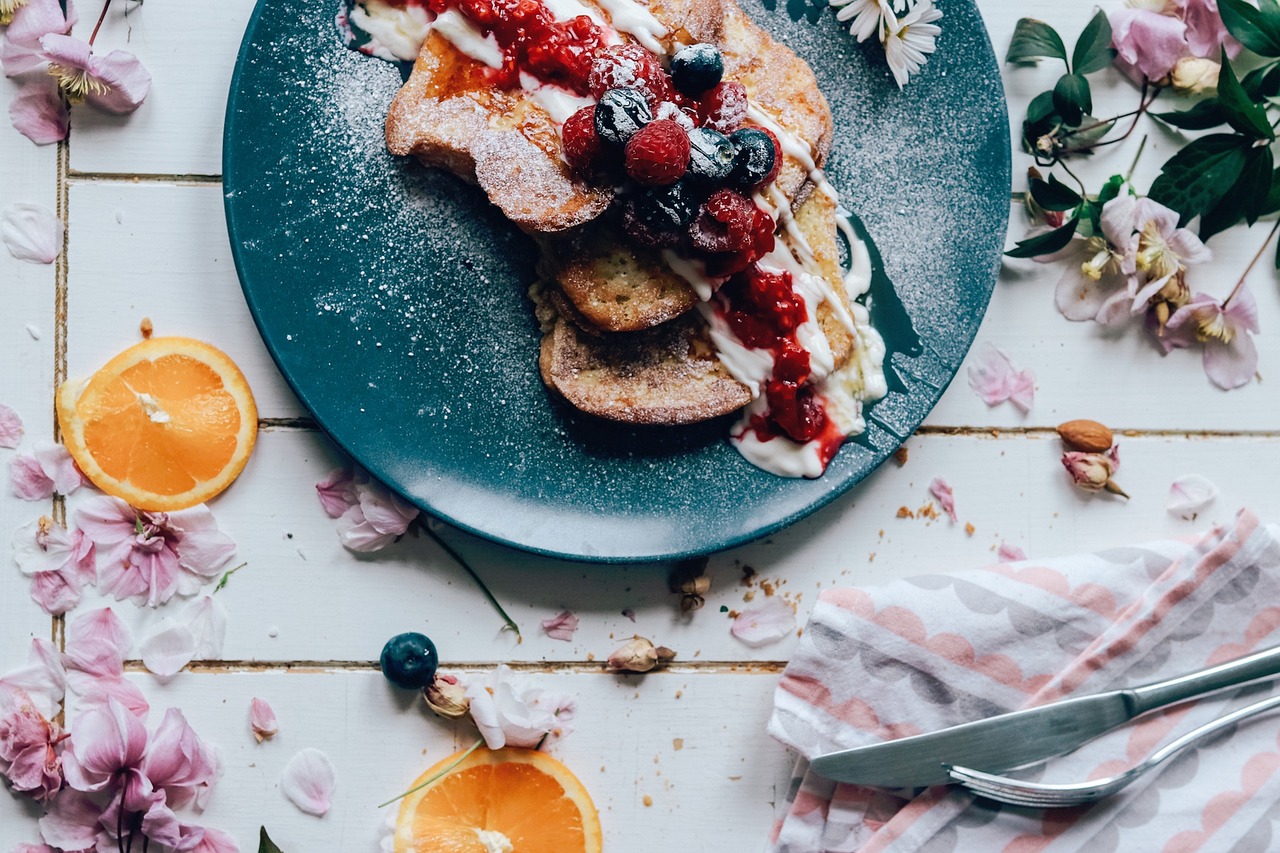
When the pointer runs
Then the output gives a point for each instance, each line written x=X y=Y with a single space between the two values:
x=307 y=619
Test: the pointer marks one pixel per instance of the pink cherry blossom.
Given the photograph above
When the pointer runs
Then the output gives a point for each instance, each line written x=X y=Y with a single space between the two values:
x=105 y=754
x=1010 y=553
x=510 y=715
x=370 y=516
x=11 y=429
x=1147 y=41
x=262 y=720
x=60 y=563
x=1225 y=330
x=180 y=763
x=31 y=232
x=309 y=781
x=561 y=626
x=993 y=377
x=941 y=490
x=150 y=557
x=1206 y=33
x=769 y=623
x=28 y=754
x=48 y=469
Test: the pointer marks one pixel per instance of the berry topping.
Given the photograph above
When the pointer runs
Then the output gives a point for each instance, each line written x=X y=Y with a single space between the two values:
x=630 y=66
x=725 y=223
x=409 y=660
x=758 y=160
x=711 y=154
x=658 y=153
x=697 y=68
x=620 y=113
x=724 y=107
x=583 y=150
x=680 y=115
x=660 y=215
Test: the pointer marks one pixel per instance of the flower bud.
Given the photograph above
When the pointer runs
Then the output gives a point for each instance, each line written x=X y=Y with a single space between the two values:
x=1194 y=75
x=635 y=655
x=1092 y=471
x=446 y=697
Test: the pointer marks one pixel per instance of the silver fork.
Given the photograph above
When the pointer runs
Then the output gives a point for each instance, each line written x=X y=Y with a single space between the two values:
x=1051 y=796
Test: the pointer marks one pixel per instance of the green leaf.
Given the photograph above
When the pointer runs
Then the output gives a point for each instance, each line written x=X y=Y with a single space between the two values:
x=1034 y=40
x=1202 y=116
x=1111 y=189
x=1197 y=177
x=1045 y=244
x=1040 y=108
x=1072 y=98
x=1090 y=131
x=1241 y=112
x=1256 y=28
x=1054 y=195
x=265 y=844
x=1262 y=82
x=1246 y=198
x=1093 y=49
x=1272 y=204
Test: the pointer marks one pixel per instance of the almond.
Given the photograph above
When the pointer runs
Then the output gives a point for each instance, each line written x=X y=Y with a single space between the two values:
x=1086 y=435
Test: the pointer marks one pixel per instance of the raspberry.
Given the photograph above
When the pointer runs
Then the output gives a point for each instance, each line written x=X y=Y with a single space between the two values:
x=583 y=150
x=724 y=107
x=725 y=223
x=630 y=66
x=658 y=153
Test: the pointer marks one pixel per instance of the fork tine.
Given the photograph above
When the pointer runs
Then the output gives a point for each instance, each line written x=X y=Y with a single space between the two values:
x=1016 y=792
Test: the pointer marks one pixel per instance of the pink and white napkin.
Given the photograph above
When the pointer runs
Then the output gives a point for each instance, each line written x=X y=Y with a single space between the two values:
x=928 y=652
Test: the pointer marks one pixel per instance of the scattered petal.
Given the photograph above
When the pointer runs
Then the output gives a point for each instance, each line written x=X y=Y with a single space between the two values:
x=28 y=479
x=31 y=232
x=337 y=492
x=11 y=429
x=168 y=649
x=561 y=626
x=1010 y=553
x=766 y=624
x=262 y=719
x=60 y=563
x=98 y=643
x=941 y=490
x=1189 y=495
x=206 y=619
x=308 y=781
x=39 y=113
x=993 y=377
x=43 y=680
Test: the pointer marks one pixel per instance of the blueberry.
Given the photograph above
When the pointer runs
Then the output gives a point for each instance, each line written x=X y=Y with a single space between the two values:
x=410 y=660
x=659 y=216
x=755 y=159
x=696 y=68
x=620 y=113
x=712 y=154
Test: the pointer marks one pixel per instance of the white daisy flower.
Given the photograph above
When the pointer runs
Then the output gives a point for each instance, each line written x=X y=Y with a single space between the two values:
x=909 y=39
x=869 y=17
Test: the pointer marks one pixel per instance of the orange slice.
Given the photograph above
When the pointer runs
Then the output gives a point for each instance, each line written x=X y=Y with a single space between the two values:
x=165 y=425
x=508 y=801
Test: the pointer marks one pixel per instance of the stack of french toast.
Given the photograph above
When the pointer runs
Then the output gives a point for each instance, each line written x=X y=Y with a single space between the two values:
x=626 y=333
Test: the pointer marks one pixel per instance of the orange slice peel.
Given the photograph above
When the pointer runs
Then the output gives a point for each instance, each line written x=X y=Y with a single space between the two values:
x=164 y=425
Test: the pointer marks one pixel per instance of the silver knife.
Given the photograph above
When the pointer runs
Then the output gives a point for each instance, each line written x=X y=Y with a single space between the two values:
x=1026 y=737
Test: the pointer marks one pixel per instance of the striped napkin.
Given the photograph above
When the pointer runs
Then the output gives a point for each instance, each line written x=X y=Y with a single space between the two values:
x=928 y=652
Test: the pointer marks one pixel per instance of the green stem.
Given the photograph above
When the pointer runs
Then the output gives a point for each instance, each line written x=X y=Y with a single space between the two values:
x=1134 y=165
x=1252 y=263
x=452 y=764
x=226 y=577
x=448 y=549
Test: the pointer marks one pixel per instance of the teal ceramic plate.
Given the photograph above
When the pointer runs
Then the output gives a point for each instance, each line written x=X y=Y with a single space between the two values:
x=393 y=297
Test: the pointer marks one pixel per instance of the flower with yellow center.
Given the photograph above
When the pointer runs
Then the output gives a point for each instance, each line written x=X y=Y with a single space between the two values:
x=8 y=8
x=76 y=83
x=1156 y=257
x=1102 y=259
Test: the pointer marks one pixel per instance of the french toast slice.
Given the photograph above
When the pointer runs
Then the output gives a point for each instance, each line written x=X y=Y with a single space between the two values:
x=620 y=287
x=670 y=373
x=449 y=114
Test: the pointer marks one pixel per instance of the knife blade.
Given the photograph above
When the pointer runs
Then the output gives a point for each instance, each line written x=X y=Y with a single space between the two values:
x=1025 y=737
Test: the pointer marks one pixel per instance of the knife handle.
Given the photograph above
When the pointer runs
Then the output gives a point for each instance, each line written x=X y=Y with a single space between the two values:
x=1255 y=667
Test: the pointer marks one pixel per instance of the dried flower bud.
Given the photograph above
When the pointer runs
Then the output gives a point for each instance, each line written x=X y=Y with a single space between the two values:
x=696 y=586
x=665 y=655
x=1194 y=75
x=635 y=655
x=690 y=603
x=1092 y=471
x=446 y=697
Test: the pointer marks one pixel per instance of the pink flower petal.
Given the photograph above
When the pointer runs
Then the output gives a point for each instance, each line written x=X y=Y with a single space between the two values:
x=337 y=492
x=561 y=626
x=98 y=643
x=43 y=680
x=993 y=377
x=941 y=490
x=97 y=690
x=58 y=466
x=384 y=510
x=23 y=57
x=262 y=719
x=71 y=822
x=127 y=81
x=216 y=841
x=1080 y=298
x=179 y=762
x=31 y=232
x=33 y=848
x=107 y=521
x=357 y=534
x=1231 y=365
x=206 y=619
x=168 y=649
x=1148 y=41
x=309 y=780
x=1010 y=553
x=39 y=18
x=1189 y=495
x=766 y=624
x=11 y=429
x=28 y=479
x=39 y=113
